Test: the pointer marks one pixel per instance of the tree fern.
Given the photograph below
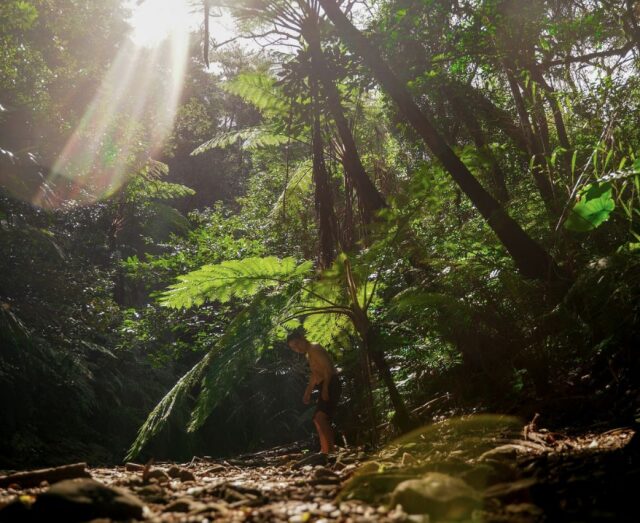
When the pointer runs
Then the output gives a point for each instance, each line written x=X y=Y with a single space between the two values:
x=147 y=184
x=280 y=295
x=248 y=334
x=154 y=170
x=232 y=279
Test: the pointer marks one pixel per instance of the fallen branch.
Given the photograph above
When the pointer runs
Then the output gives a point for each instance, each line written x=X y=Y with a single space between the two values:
x=134 y=467
x=33 y=478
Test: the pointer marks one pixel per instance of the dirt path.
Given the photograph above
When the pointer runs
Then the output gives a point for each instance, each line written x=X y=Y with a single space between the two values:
x=480 y=469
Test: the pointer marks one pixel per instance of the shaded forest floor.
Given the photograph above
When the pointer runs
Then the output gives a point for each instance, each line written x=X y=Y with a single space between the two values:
x=479 y=468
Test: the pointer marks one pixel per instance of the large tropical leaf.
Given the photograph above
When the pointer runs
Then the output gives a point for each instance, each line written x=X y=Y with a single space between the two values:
x=327 y=328
x=299 y=184
x=248 y=334
x=251 y=332
x=593 y=208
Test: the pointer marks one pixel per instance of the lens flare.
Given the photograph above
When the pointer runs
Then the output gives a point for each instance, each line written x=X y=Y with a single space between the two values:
x=131 y=114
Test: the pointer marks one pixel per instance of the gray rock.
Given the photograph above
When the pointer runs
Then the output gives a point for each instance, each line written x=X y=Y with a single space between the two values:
x=511 y=451
x=77 y=500
x=436 y=494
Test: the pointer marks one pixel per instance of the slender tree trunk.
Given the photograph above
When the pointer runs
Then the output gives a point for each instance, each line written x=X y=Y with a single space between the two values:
x=539 y=119
x=561 y=130
x=366 y=375
x=366 y=331
x=323 y=195
x=530 y=258
x=402 y=418
x=368 y=196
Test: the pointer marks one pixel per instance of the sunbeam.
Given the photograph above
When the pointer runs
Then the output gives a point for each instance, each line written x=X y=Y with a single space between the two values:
x=143 y=84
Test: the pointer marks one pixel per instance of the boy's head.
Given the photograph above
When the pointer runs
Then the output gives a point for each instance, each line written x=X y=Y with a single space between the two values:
x=297 y=341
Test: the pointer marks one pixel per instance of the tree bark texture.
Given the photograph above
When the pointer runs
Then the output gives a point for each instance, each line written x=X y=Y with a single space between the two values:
x=323 y=195
x=368 y=196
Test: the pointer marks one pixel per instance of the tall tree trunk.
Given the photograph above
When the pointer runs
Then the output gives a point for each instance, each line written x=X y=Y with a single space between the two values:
x=368 y=196
x=530 y=258
x=402 y=418
x=323 y=194
x=475 y=131
x=361 y=321
x=561 y=130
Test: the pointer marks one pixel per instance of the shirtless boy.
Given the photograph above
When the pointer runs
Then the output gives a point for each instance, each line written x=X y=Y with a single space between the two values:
x=323 y=376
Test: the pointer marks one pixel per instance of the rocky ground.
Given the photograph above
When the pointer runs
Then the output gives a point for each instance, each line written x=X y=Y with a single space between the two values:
x=482 y=468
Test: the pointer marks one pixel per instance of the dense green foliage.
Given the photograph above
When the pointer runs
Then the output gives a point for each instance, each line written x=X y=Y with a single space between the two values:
x=287 y=198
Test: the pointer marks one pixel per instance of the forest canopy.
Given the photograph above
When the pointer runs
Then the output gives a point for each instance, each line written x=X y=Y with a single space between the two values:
x=445 y=194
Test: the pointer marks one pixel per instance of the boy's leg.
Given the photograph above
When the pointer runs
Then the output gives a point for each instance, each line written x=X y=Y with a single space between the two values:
x=325 y=432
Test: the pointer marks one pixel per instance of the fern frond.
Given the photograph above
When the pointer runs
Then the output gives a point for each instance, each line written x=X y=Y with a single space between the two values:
x=148 y=185
x=259 y=90
x=160 y=414
x=327 y=328
x=155 y=170
x=141 y=188
x=250 y=332
x=415 y=300
x=298 y=185
x=252 y=138
x=232 y=279
x=329 y=289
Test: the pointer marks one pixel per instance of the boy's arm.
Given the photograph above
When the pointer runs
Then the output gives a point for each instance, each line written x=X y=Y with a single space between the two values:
x=313 y=381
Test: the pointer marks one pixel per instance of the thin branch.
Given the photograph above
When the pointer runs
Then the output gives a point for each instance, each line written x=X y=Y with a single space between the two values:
x=586 y=57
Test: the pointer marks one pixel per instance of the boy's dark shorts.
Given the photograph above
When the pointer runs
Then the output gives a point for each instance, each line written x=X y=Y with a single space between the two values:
x=329 y=406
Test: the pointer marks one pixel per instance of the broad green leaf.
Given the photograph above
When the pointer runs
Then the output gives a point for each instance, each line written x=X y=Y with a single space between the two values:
x=593 y=209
